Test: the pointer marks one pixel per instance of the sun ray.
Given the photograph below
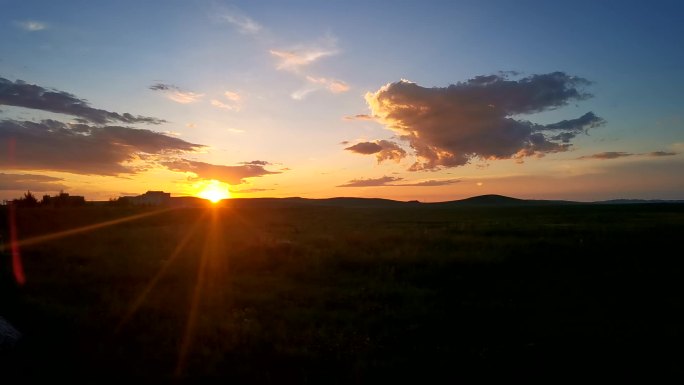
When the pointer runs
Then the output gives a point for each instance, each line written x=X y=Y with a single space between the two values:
x=140 y=299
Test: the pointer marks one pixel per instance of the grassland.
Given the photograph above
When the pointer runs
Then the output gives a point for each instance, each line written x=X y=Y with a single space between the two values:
x=350 y=295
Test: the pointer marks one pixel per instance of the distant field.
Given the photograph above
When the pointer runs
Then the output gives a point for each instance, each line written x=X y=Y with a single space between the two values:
x=350 y=295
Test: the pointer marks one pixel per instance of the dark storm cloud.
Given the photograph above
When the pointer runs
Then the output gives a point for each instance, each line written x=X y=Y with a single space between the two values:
x=607 y=155
x=228 y=174
x=383 y=150
x=449 y=126
x=81 y=148
x=22 y=94
x=30 y=182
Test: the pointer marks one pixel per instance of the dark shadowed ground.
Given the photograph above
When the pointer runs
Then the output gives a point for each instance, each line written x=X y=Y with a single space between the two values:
x=349 y=295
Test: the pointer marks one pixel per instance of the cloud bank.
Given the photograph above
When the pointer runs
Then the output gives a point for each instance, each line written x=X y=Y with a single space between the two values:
x=80 y=148
x=30 y=182
x=22 y=94
x=449 y=126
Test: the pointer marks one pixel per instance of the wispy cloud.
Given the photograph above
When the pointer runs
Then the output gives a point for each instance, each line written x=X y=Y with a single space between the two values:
x=174 y=93
x=294 y=60
x=620 y=154
x=233 y=101
x=219 y=104
x=390 y=181
x=371 y=182
x=243 y=23
x=358 y=117
x=297 y=59
x=32 y=25
x=607 y=155
x=661 y=153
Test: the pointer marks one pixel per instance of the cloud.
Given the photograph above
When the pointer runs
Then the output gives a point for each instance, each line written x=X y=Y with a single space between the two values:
x=661 y=153
x=620 y=154
x=258 y=163
x=389 y=181
x=239 y=20
x=176 y=94
x=235 y=130
x=232 y=96
x=607 y=155
x=220 y=104
x=251 y=190
x=358 y=117
x=233 y=104
x=449 y=126
x=22 y=94
x=332 y=85
x=432 y=182
x=30 y=182
x=294 y=60
x=383 y=150
x=227 y=174
x=81 y=148
x=32 y=25
x=371 y=182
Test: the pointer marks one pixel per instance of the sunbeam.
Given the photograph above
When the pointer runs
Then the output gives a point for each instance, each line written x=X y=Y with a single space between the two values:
x=140 y=299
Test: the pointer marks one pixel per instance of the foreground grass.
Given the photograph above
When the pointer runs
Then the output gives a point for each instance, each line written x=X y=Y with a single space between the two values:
x=333 y=295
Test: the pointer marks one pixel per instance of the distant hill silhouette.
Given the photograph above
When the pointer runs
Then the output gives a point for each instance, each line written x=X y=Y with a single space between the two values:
x=491 y=200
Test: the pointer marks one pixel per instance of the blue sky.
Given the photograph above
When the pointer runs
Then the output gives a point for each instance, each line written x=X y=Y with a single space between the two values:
x=273 y=81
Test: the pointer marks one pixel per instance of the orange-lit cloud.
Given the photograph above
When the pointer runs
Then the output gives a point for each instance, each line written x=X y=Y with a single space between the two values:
x=220 y=104
x=449 y=126
x=30 y=182
x=383 y=150
x=228 y=174
x=83 y=149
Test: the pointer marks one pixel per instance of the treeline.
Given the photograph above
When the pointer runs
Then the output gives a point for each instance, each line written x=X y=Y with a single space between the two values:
x=61 y=200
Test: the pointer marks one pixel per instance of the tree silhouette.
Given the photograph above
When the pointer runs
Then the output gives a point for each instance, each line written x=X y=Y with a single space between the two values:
x=29 y=200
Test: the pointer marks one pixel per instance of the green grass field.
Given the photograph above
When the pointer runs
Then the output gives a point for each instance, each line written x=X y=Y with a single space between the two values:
x=349 y=295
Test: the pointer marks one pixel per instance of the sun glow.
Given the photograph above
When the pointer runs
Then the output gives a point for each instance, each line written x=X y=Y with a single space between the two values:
x=213 y=191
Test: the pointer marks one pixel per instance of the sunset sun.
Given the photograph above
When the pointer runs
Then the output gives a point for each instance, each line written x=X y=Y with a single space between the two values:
x=213 y=191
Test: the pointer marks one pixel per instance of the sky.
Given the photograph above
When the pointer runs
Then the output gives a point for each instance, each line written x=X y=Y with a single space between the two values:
x=417 y=100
